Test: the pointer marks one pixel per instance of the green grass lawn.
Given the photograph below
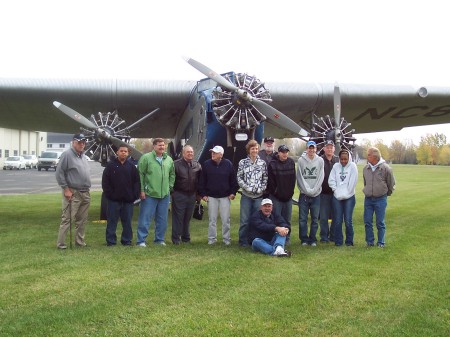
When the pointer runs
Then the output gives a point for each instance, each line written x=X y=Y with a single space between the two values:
x=201 y=290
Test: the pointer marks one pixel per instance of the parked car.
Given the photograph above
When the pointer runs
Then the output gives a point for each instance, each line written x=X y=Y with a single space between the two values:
x=31 y=160
x=15 y=162
x=48 y=160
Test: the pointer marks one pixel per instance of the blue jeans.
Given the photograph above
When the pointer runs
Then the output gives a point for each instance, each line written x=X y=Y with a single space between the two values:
x=343 y=209
x=124 y=211
x=283 y=208
x=308 y=205
x=260 y=245
x=326 y=233
x=377 y=206
x=153 y=208
x=248 y=207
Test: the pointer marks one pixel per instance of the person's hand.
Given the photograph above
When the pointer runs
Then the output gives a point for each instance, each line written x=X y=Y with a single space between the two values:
x=283 y=231
x=142 y=196
x=231 y=196
x=68 y=193
x=205 y=198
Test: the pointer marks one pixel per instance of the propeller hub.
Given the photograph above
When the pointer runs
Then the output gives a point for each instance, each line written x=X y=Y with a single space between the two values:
x=234 y=108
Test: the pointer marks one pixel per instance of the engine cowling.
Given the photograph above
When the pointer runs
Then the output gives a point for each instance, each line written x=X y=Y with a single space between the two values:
x=236 y=113
x=98 y=147
x=324 y=128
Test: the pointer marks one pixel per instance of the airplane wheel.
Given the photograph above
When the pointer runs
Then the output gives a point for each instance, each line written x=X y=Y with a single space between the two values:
x=46 y=169
x=39 y=168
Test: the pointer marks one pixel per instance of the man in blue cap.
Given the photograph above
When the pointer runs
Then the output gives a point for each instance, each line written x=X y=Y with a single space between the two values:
x=309 y=181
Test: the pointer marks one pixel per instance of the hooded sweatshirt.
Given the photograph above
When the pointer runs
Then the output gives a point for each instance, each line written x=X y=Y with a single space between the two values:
x=310 y=175
x=343 y=179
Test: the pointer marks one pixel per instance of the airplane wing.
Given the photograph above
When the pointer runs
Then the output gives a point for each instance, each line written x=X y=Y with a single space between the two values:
x=369 y=108
x=26 y=104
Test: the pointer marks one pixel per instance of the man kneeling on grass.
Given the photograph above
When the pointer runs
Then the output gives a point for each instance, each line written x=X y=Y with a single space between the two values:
x=268 y=231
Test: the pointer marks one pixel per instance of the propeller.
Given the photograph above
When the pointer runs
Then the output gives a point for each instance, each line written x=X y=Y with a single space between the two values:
x=273 y=115
x=104 y=134
x=337 y=116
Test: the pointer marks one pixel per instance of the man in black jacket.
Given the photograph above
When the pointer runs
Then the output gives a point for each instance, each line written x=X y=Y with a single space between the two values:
x=268 y=231
x=121 y=185
x=187 y=176
x=281 y=183
x=326 y=196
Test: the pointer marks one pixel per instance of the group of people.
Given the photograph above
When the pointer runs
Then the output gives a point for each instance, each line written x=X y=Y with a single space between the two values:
x=266 y=179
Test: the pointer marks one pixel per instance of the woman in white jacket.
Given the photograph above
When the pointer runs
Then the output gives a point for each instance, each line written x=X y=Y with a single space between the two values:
x=342 y=180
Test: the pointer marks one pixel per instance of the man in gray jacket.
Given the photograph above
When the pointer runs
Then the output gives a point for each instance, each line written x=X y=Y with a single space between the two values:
x=73 y=175
x=379 y=183
x=309 y=181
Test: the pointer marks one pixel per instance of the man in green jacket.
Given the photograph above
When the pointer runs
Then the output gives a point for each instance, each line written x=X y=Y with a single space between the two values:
x=157 y=175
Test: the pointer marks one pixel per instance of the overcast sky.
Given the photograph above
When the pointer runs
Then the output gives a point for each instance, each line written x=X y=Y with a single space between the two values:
x=377 y=42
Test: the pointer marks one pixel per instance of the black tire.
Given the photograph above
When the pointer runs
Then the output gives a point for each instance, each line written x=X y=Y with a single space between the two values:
x=39 y=168
x=46 y=168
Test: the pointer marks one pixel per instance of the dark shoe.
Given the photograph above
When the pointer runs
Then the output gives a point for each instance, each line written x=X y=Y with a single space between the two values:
x=349 y=244
x=380 y=245
x=81 y=245
x=370 y=245
x=176 y=242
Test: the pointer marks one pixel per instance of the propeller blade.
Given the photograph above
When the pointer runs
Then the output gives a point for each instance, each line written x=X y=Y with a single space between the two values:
x=337 y=116
x=270 y=112
x=278 y=118
x=118 y=142
x=75 y=115
x=211 y=74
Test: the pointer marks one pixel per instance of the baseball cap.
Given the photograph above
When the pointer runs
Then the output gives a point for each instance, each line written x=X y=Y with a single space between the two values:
x=268 y=140
x=311 y=143
x=329 y=142
x=217 y=149
x=79 y=137
x=283 y=148
x=266 y=201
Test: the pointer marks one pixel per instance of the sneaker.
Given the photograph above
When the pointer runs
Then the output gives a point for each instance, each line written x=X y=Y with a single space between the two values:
x=227 y=243
x=304 y=243
x=278 y=251
x=142 y=244
x=161 y=243
x=370 y=245
x=380 y=245
x=62 y=247
x=313 y=244
x=285 y=253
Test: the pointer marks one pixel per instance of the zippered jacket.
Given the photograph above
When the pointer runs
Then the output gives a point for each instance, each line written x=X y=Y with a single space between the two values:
x=378 y=180
x=157 y=179
x=252 y=177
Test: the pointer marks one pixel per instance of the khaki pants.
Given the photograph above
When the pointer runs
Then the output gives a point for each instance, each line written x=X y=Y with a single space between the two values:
x=78 y=211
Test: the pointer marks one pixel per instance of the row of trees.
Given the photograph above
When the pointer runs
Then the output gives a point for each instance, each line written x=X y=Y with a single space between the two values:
x=432 y=149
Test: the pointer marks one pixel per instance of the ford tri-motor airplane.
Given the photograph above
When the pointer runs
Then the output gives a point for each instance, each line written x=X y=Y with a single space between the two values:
x=224 y=110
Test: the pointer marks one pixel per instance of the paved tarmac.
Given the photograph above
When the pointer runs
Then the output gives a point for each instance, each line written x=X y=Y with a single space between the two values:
x=32 y=181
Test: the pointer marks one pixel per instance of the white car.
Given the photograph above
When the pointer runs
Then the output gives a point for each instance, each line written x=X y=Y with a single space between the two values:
x=15 y=162
x=31 y=160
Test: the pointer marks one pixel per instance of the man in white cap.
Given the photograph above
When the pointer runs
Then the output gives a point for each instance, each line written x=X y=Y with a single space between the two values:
x=218 y=186
x=268 y=231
